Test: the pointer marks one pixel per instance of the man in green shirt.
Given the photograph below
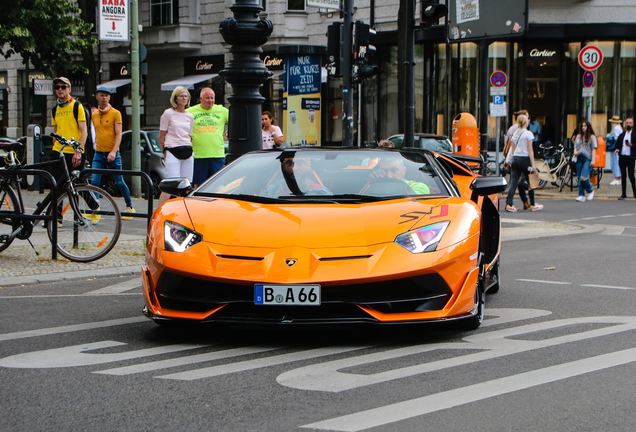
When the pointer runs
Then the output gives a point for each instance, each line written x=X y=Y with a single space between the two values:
x=393 y=167
x=208 y=136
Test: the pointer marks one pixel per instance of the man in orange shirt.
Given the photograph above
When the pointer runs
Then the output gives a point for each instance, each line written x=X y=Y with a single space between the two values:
x=108 y=128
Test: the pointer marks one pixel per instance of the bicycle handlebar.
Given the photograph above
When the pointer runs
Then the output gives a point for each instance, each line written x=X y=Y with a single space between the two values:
x=66 y=143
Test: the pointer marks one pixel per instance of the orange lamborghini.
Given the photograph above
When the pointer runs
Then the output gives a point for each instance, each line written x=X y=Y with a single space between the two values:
x=326 y=235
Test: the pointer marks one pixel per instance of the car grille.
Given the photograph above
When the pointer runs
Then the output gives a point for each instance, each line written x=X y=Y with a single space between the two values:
x=415 y=294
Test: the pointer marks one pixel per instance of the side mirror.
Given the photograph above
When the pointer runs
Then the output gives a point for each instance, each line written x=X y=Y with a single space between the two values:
x=176 y=186
x=483 y=186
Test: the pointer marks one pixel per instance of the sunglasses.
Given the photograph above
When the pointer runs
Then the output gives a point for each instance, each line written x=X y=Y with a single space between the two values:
x=61 y=87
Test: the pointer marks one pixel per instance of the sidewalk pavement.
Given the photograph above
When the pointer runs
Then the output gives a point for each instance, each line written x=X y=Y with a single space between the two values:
x=20 y=265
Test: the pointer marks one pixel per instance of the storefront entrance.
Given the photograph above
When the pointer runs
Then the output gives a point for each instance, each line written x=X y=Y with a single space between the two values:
x=541 y=89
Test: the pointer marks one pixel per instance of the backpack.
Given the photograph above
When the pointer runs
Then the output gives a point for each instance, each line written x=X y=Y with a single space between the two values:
x=89 y=136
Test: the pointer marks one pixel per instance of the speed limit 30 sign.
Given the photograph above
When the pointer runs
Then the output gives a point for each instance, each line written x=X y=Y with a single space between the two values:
x=590 y=57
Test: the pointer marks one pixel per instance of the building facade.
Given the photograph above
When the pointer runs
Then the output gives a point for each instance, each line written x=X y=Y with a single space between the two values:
x=183 y=46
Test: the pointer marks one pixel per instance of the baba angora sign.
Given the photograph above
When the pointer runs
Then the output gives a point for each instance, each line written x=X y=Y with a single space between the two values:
x=113 y=20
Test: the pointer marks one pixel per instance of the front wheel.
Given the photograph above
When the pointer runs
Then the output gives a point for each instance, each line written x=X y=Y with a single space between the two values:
x=88 y=224
x=9 y=205
x=473 y=322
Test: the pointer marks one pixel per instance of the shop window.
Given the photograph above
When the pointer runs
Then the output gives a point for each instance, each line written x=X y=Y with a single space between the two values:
x=295 y=5
x=439 y=101
x=388 y=96
x=164 y=12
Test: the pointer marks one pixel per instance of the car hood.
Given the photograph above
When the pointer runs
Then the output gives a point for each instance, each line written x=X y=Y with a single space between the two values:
x=249 y=224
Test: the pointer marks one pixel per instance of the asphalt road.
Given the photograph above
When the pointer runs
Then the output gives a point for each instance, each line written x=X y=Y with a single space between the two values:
x=556 y=353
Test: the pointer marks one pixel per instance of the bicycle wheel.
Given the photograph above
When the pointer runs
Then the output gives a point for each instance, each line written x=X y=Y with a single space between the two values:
x=9 y=204
x=571 y=180
x=86 y=235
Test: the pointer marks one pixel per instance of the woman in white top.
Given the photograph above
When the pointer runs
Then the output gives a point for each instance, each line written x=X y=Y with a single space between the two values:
x=175 y=137
x=520 y=159
x=585 y=151
x=272 y=135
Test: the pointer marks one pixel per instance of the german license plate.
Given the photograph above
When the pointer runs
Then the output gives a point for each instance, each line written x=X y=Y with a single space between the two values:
x=287 y=295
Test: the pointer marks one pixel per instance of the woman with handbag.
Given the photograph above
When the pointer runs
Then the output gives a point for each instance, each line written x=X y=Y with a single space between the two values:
x=585 y=152
x=175 y=138
x=520 y=159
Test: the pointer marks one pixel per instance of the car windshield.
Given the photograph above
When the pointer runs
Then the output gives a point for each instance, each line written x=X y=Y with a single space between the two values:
x=153 y=137
x=435 y=144
x=328 y=175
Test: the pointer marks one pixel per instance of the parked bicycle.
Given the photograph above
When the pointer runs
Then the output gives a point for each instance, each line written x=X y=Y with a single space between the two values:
x=88 y=220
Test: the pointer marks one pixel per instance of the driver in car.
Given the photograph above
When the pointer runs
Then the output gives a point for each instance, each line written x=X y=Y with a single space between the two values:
x=393 y=167
x=297 y=179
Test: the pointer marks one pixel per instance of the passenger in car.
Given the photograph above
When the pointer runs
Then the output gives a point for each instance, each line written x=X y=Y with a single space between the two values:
x=393 y=167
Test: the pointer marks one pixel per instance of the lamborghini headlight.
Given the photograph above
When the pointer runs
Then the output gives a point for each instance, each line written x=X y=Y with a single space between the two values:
x=177 y=238
x=423 y=239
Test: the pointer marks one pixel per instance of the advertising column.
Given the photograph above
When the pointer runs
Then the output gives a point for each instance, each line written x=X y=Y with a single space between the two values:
x=301 y=93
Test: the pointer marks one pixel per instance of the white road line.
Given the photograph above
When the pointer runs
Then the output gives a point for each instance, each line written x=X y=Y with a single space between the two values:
x=436 y=402
x=258 y=363
x=613 y=230
x=76 y=355
x=543 y=281
x=71 y=328
x=607 y=286
x=163 y=364
x=117 y=288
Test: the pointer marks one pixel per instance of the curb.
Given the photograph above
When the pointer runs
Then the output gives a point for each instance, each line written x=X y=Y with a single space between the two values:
x=82 y=274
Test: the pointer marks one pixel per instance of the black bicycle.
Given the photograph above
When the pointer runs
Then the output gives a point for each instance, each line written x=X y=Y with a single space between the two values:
x=87 y=219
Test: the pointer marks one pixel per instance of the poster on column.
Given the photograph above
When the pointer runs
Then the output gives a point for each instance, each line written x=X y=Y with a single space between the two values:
x=301 y=106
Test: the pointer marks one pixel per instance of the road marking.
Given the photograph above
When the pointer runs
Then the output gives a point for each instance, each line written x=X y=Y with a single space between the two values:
x=436 y=402
x=71 y=328
x=607 y=286
x=163 y=364
x=613 y=230
x=117 y=288
x=543 y=281
x=73 y=356
x=334 y=376
x=600 y=217
x=258 y=363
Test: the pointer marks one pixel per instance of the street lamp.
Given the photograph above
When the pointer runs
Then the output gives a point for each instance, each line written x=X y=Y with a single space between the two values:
x=246 y=33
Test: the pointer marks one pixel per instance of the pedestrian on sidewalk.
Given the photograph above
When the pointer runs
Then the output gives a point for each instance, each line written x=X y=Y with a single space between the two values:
x=108 y=128
x=175 y=138
x=616 y=132
x=585 y=152
x=208 y=136
x=520 y=159
x=626 y=157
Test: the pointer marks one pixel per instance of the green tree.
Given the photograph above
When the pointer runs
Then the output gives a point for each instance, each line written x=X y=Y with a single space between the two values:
x=46 y=33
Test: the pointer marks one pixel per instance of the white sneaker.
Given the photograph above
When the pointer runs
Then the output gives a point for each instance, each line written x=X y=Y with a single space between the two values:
x=615 y=183
x=581 y=199
x=589 y=196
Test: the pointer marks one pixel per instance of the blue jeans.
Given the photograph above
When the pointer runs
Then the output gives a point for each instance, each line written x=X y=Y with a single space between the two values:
x=583 y=170
x=616 y=170
x=100 y=161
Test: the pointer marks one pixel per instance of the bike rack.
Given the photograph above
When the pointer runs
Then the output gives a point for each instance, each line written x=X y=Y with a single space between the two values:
x=53 y=216
x=143 y=175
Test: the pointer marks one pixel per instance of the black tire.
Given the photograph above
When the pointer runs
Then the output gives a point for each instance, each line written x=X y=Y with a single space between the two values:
x=542 y=184
x=79 y=238
x=494 y=274
x=155 y=186
x=473 y=322
x=8 y=204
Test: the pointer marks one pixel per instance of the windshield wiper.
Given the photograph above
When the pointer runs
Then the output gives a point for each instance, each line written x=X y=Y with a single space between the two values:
x=243 y=197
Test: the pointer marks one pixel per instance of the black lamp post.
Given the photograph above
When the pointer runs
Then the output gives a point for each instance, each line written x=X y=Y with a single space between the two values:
x=246 y=73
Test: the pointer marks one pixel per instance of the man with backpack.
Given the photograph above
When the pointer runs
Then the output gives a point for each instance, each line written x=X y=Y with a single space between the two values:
x=68 y=124
x=68 y=118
